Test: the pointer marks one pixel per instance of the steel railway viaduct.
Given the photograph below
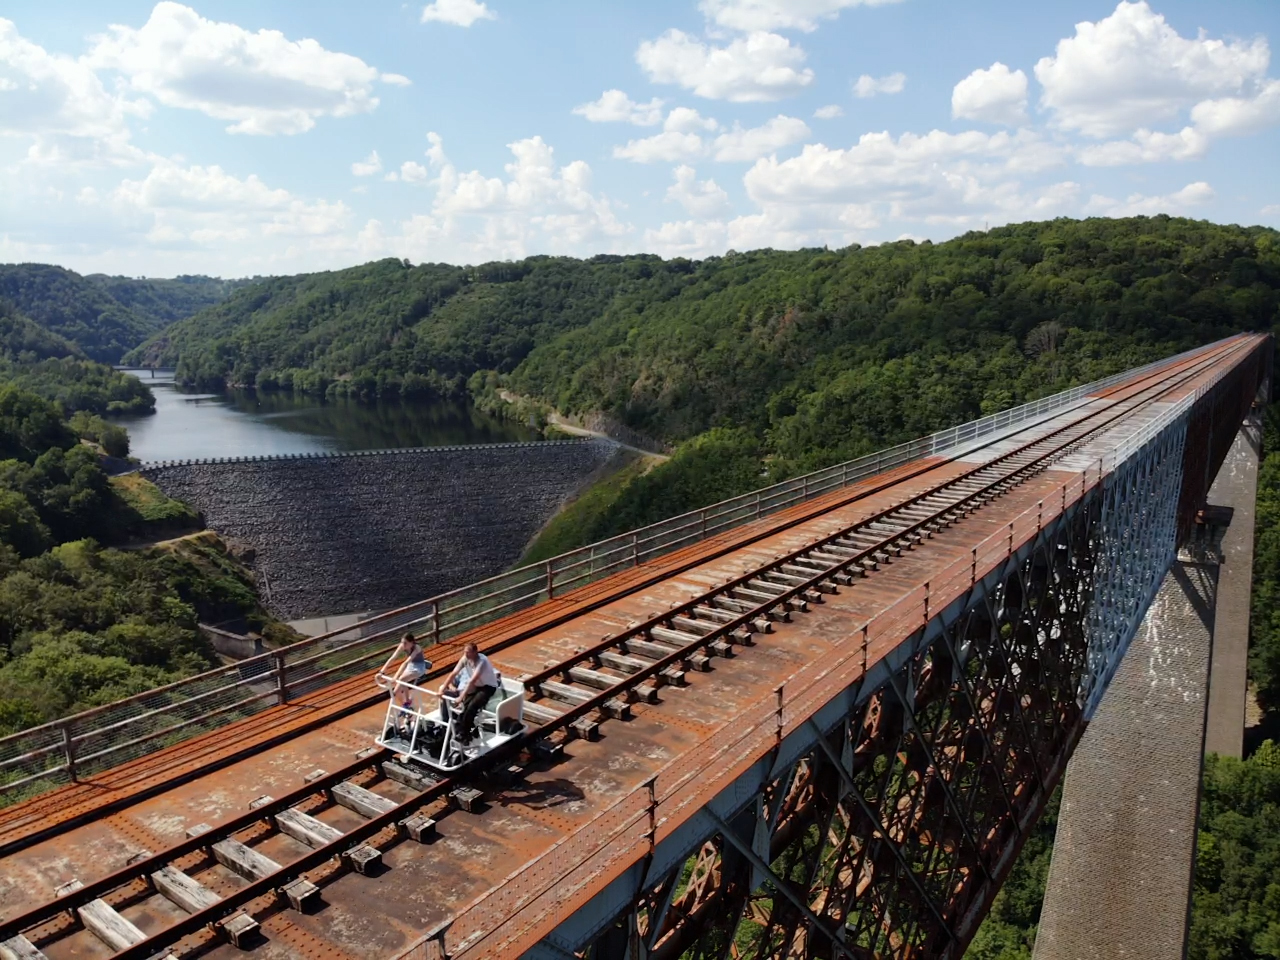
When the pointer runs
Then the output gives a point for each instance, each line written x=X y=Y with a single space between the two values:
x=817 y=720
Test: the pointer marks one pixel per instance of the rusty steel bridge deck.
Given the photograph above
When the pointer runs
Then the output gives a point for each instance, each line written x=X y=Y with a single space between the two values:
x=655 y=688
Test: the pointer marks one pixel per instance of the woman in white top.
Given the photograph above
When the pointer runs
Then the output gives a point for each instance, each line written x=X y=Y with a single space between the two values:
x=412 y=670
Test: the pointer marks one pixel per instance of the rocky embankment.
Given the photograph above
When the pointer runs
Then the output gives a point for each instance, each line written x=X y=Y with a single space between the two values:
x=370 y=531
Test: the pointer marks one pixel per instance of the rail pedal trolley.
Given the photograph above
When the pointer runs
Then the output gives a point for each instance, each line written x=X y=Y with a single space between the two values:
x=424 y=731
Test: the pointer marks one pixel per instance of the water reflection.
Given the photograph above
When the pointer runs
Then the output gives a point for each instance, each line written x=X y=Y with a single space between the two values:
x=243 y=423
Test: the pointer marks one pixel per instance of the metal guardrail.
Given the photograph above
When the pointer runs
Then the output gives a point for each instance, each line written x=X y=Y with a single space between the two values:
x=86 y=743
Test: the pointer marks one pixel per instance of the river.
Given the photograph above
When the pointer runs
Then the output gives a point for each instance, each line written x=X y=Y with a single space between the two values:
x=243 y=423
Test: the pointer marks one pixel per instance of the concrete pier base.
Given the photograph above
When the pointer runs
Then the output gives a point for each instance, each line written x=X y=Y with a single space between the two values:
x=1120 y=881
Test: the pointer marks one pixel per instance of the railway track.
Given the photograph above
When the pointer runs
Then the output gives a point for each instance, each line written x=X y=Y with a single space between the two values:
x=556 y=613
x=570 y=699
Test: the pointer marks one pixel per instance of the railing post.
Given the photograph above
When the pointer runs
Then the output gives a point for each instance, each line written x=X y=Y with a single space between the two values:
x=702 y=523
x=780 y=719
x=551 y=582
x=635 y=550
x=757 y=505
x=282 y=687
x=435 y=621
x=69 y=750
x=804 y=486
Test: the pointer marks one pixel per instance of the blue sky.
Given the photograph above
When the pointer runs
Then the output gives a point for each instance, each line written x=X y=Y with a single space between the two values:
x=240 y=138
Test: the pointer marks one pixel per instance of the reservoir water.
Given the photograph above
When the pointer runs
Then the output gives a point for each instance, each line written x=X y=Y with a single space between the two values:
x=243 y=423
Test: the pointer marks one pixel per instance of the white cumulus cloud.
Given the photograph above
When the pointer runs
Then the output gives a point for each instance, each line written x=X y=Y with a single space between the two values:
x=1146 y=146
x=829 y=112
x=181 y=206
x=459 y=13
x=700 y=198
x=680 y=139
x=60 y=106
x=1239 y=115
x=1192 y=195
x=666 y=147
x=684 y=238
x=747 y=15
x=413 y=172
x=685 y=136
x=538 y=207
x=264 y=82
x=614 y=106
x=995 y=95
x=942 y=180
x=760 y=66
x=368 y=166
x=1132 y=69
x=741 y=144
x=868 y=86
x=688 y=120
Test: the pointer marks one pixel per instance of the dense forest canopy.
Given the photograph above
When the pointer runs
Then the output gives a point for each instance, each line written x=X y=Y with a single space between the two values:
x=765 y=340
x=82 y=623
x=105 y=316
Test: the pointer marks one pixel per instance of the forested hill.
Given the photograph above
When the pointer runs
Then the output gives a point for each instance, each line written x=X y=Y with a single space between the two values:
x=105 y=316
x=811 y=349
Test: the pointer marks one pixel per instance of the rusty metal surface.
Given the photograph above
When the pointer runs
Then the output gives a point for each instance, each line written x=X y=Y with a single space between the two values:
x=546 y=842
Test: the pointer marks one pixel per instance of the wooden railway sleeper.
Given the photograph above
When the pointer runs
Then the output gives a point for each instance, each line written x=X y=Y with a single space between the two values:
x=831 y=549
x=192 y=896
x=726 y=602
x=806 y=567
x=787 y=579
x=592 y=678
x=707 y=612
x=104 y=922
x=761 y=585
x=691 y=625
x=620 y=662
x=645 y=648
x=564 y=693
x=252 y=865
x=825 y=555
x=757 y=595
x=678 y=637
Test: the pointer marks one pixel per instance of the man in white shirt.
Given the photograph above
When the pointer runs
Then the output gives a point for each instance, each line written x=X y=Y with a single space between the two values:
x=473 y=682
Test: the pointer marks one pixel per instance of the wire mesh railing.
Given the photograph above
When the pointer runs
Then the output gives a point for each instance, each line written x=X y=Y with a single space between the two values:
x=87 y=743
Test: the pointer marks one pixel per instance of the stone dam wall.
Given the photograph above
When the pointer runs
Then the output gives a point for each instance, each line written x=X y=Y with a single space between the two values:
x=378 y=529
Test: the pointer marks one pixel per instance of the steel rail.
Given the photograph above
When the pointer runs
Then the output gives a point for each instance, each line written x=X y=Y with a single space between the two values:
x=353 y=838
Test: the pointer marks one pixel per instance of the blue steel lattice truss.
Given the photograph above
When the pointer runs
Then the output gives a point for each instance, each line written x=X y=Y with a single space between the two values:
x=885 y=825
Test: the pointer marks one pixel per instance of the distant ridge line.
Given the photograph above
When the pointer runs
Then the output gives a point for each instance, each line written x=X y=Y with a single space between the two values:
x=148 y=465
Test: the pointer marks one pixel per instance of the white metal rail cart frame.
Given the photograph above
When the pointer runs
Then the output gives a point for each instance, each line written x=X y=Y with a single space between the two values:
x=427 y=733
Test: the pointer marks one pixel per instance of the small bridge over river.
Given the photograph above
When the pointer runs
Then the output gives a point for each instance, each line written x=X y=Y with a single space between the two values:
x=814 y=721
